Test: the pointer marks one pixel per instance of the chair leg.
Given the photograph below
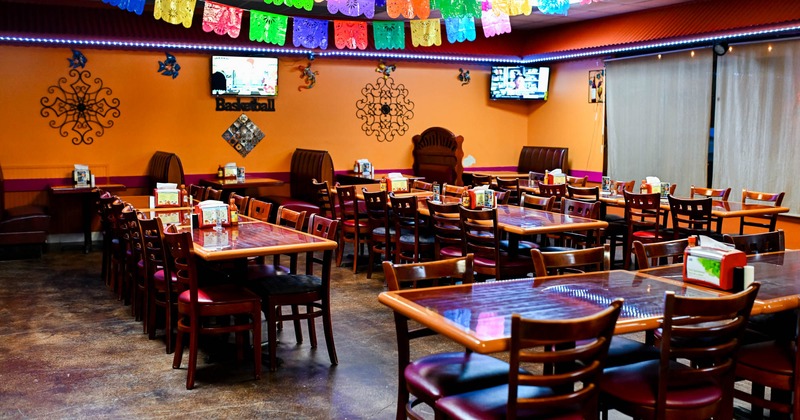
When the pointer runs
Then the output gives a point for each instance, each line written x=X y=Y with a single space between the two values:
x=178 y=356
x=272 y=334
x=371 y=261
x=328 y=327
x=356 y=251
x=298 y=330
x=256 y=320
x=170 y=346
x=193 y=344
x=312 y=327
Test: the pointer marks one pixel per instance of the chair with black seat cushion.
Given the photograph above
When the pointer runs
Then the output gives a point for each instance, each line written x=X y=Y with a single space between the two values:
x=354 y=225
x=537 y=392
x=691 y=217
x=559 y=191
x=307 y=290
x=585 y=209
x=767 y=221
x=758 y=243
x=577 y=181
x=258 y=268
x=537 y=202
x=212 y=194
x=482 y=237
x=241 y=201
x=259 y=210
x=705 y=333
x=431 y=377
x=414 y=241
x=510 y=185
x=771 y=364
x=617 y=230
x=197 y=305
x=481 y=180
x=446 y=225
x=381 y=236
x=654 y=254
x=643 y=216
x=721 y=194
x=198 y=192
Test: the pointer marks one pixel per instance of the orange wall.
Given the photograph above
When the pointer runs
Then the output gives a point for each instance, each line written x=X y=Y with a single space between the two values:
x=177 y=115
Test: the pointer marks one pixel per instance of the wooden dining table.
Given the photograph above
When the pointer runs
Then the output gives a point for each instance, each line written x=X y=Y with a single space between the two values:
x=478 y=315
x=88 y=197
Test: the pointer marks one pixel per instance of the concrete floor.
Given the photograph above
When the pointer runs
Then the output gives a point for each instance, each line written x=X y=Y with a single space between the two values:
x=70 y=349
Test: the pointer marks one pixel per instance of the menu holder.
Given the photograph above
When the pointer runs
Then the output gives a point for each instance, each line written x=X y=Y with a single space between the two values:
x=209 y=215
x=229 y=171
x=167 y=197
x=82 y=178
x=482 y=198
x=398 y=185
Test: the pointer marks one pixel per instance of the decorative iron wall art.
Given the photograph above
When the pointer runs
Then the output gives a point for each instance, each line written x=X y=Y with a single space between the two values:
x=82 y=106
x=243 y=135
x=385 y=109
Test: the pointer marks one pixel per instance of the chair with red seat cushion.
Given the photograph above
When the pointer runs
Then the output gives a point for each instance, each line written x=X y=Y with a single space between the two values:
x=197 y=305
x=568 y=392
x=446 y=224
x=160 y=295
x=481 y=235
x=643 y=216
x=434 y=376
x=691 y=217
x=704 y=332
x=307 y=290
x=772 y=364
x=354 y=225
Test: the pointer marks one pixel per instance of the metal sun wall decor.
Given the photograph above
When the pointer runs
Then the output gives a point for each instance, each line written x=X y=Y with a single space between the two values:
x=243 y=135
x=80 y=106
x=384 y=109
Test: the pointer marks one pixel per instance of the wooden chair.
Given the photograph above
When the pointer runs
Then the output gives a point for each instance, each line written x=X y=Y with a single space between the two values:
x=559 y=191
x=713 y=193
x=537 y=202
x=758 y=243
x=452 y=190
x=642 y=220
x=441 y=374
x=354 y=226
x=659 y=253
x=291 y=219
x=510 y=185
x=704 y=331
x=161 y=295
x=241 y=201
x=585 y=209
x=242 y=306
x=446 y=225
x=414 y=241
x=573 y=261
x=583 y=193
x=381 y=236
x=197 y=192
x=533 y=391
x=690 y=216
x=325 y=200
x=482 y=236
x=577 y=181
x=617 y=231
x=419 y=184
x=259 y=210
x=212 y=194
x=480 y=180
x=307 y=290
x=766 y=221
x=773 y=364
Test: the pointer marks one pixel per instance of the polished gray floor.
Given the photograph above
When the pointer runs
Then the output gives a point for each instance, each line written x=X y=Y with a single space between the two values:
x=70 y=349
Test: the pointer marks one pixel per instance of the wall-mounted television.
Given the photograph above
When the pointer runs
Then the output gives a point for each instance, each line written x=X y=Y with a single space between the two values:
x=244 y=76
x=519 y=82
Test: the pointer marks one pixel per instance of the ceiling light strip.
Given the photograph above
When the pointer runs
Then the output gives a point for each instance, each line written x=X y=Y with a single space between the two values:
x=255 y=50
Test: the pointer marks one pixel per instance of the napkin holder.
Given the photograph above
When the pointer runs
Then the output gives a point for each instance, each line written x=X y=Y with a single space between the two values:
x=82 y=178
x=482 y=198
x=362 y=166
x=554 y=177
x=398 y=185
x=712 y=267
x=208 y=214
x=167 y=197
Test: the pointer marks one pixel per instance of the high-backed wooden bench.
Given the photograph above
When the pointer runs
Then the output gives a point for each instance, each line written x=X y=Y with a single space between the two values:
x=306 y=165
x=24 y=225
x=540 y=159
x=165 y=167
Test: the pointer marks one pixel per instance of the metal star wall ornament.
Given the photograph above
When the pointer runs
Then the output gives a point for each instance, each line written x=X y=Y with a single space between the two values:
x=80 y=106
x=169 y=67
x=385 y=109
x=77 y=59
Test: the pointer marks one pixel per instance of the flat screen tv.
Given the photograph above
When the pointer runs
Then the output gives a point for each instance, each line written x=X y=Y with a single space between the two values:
x=519 y=82
x=244 y=76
